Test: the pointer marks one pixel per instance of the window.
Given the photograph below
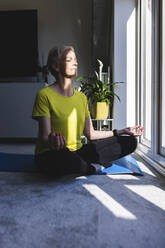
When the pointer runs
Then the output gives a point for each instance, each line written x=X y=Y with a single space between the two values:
x=151 y=74
x=146 y=37
x=162 y=88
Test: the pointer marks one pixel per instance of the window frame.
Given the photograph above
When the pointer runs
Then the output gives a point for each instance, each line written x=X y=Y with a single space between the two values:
x=161 y=149
x=152 y=153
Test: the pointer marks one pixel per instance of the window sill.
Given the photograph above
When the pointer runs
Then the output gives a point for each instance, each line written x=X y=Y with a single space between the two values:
x=156 y=162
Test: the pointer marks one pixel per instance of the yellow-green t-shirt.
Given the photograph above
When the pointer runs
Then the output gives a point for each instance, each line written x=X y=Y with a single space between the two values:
x=67 y=115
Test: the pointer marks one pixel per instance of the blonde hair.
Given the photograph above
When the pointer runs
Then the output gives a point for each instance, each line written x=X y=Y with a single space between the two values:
x=53 y=57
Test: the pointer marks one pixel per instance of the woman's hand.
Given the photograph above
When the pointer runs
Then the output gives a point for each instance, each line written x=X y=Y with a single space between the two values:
x=135 y=131
x=56 y=141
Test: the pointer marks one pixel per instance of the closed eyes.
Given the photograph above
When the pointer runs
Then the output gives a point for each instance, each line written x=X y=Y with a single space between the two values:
x=70 y=59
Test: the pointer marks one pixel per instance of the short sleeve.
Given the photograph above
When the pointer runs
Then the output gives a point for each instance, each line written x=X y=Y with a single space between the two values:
x=41 y=106
x=87 y=113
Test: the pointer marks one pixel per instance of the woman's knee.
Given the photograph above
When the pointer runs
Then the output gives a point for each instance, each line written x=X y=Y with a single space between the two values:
x=133 y=143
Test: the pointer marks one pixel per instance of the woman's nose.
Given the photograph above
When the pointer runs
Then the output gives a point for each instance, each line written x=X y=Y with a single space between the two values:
x=75 y=62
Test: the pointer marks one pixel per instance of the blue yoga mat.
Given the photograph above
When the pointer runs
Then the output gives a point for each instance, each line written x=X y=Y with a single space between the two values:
x=17 y=162
x=25 y=162
x=124 y=165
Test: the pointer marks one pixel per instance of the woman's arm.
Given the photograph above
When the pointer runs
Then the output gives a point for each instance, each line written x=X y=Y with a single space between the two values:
x=47 y=137
x=44 y=129
x=92 y=134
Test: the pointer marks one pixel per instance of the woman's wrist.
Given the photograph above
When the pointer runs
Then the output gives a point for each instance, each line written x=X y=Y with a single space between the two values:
x=121 y=131
x=50 y=140
x=115 y=132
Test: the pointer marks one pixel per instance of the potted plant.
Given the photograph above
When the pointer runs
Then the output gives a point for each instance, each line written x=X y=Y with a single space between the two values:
x=100 y=94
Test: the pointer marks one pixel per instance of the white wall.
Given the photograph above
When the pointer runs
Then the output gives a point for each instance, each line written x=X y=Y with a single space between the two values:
x=65 y=22
x=124 y=62
x=16 y=104
x=60 y=22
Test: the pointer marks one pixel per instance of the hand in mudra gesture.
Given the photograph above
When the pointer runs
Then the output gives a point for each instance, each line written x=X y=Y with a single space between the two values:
x=56 y=141
x=135 y=131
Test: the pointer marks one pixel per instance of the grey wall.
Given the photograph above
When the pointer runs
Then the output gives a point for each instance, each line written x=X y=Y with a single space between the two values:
x=16 y=104
x=65 y=22
x=60 y=22
x=101 y=33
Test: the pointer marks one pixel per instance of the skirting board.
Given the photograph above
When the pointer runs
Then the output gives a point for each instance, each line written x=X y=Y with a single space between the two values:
x=151 y=162
x=17 y=140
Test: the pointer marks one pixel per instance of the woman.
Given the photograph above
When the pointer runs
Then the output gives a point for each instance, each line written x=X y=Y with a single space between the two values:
x=62 y=114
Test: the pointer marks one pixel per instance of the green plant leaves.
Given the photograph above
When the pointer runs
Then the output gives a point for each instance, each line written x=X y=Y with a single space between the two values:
x=96 y=90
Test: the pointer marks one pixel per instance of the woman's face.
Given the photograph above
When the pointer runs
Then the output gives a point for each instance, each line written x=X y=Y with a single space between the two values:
x=68 y=64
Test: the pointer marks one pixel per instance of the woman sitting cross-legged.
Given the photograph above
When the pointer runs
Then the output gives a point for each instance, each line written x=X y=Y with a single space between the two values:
x=63 y=116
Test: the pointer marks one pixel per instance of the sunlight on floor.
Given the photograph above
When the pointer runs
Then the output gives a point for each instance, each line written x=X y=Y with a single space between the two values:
x=126 y=177
x=81 y=178
x=112 y=205
x=150 y=193
x=146 y=169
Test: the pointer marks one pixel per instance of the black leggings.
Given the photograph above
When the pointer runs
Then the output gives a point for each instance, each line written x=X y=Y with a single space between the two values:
x=102 y=151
